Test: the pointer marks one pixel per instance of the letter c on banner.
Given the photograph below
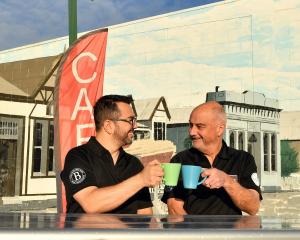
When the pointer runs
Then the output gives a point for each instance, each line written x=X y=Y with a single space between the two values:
x=74 y=67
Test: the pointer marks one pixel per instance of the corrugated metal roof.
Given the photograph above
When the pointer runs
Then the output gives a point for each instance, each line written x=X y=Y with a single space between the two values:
x=25 y=78
x=180 y=115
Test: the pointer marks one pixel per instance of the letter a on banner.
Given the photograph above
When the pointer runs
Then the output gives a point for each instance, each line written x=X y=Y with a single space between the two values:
x=78 y=85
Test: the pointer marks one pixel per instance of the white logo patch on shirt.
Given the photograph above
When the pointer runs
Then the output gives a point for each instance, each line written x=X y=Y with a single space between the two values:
x=77 y=176
x=254 y=178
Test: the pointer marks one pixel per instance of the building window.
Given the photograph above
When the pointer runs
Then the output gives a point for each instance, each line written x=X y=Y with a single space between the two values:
x=231 y=139
x=43 y=163
x=37 y=149
x=266 y=152
x=251 y=143
x=8 y=129
x=273 y=153
x=241 y=141
x=159 y=130
x=51 y=165
x=141 y=134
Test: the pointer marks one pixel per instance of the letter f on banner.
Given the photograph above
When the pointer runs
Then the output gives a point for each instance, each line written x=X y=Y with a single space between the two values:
x=78 y=85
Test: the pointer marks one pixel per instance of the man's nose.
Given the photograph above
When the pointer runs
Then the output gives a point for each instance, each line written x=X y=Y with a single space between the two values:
x=192 y=131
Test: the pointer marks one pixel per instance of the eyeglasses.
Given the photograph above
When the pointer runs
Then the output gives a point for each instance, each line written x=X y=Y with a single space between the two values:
x=130 y=120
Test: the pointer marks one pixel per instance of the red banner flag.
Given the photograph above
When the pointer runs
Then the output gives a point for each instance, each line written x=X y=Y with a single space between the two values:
x=78 y=86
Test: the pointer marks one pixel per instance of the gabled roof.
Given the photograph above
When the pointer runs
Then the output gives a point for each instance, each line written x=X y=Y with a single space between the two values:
x=180 y=115
x=23 y=80
x=145 y=108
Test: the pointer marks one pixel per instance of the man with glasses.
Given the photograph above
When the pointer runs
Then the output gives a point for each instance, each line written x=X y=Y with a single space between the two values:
x=99 y=176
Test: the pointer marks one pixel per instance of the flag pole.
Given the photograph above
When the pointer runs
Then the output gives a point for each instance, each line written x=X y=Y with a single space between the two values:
x=72 y=21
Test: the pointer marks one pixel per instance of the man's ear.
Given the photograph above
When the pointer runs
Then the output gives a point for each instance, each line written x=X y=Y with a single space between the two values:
x=108 y=127
x=221 y=129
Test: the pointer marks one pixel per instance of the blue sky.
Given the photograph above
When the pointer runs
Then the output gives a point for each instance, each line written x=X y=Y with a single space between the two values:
x=30 y=21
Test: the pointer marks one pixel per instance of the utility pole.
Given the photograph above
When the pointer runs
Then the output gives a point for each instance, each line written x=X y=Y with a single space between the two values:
x=72 y=21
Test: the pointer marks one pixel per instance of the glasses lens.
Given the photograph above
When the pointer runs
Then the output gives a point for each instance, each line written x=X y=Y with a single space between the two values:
x=133 y=121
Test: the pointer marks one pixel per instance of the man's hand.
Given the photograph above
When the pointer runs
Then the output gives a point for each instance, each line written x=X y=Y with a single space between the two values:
x=215 y=178
x=175 y=206
x=100 y=200
x=152 y=174
x=245 y=199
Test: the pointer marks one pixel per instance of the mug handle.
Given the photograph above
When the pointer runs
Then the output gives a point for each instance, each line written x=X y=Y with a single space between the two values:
x=202 y=180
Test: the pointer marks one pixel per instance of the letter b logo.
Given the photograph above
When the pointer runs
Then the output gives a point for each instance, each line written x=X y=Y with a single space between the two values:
x=77 y=176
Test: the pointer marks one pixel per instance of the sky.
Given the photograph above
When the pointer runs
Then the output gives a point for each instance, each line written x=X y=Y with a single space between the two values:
x=31 y=21
x=237 y=45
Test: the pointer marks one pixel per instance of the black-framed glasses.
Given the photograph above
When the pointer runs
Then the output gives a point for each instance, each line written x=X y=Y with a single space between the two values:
x=130 y=120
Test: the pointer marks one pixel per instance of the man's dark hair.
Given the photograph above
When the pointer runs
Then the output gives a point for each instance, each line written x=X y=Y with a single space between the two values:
x=106 y=108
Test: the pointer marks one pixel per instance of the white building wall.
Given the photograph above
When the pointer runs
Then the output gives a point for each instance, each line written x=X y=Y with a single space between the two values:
x=29 y=185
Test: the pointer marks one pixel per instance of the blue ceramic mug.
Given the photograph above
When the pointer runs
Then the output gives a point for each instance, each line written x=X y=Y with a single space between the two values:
x=190 y=175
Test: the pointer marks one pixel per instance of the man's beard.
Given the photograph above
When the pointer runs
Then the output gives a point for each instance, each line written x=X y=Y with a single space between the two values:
x=123 y=137
x=128 y=140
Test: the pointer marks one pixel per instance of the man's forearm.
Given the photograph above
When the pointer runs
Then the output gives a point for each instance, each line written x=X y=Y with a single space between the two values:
x=245 y=199
x=175 y=207
x=101 y=200
x=176 y=211
x=145 y=211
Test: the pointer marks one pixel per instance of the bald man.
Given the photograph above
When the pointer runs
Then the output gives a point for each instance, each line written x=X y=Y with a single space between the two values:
x=231 y=186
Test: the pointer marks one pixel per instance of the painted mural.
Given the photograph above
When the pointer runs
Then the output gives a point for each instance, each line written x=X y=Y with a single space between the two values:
x=238 y=51
x=237 y=45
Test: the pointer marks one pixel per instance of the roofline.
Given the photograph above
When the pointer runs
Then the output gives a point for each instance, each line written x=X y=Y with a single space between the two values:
x=163 y=100
x=18 y=98
x=249 y=105
x=36 y=92
x=31 y=98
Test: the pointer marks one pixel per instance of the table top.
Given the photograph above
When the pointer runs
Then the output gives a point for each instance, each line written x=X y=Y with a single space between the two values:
x=80 y=226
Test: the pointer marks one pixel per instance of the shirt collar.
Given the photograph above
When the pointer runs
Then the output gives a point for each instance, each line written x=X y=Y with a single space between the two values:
x=224 y=152
x=100 y=149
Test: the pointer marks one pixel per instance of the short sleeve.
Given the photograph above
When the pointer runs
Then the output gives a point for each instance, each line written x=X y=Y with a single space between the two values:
x=248 y=176
x=77 y=173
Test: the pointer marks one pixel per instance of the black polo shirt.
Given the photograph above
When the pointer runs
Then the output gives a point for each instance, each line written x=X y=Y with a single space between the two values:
x=207 y=201
x=92 y=165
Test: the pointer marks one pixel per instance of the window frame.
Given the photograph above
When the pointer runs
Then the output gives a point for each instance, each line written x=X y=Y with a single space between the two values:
x=159 y=130
x=273 y=154
x=45 y=147
x=241 y=140
x=266 y=152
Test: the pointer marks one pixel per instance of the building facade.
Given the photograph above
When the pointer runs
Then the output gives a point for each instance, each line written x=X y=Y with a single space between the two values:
x=152 y=118
x=253 y=126
x=26 y=127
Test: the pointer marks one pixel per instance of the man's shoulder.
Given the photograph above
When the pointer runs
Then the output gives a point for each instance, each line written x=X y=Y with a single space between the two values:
x=79 y=149
x=82 y=152
x=131 y=157
x=237 y=153
x=191 y=150
x=186 y=152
